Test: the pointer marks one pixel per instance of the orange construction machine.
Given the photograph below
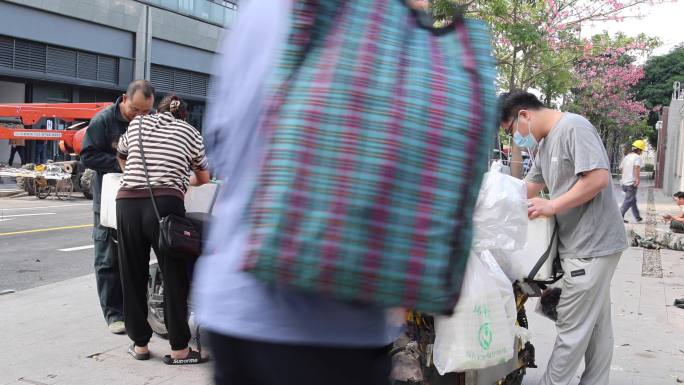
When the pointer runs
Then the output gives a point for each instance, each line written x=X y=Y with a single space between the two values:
x=15 y=118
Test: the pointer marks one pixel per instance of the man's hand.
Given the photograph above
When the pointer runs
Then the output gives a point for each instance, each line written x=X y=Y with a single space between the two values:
x=538 y=207
x=637 y=175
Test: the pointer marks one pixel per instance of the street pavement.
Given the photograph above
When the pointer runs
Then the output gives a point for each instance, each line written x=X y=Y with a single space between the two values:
x=54 y=334
x=44 y=241
x=649 y=331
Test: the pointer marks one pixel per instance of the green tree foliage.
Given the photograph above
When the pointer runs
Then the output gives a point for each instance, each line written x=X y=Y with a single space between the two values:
x=655 y=89
x=538 y=45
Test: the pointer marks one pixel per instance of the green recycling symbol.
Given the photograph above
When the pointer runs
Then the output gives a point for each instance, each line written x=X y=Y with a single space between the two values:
x=485 y=335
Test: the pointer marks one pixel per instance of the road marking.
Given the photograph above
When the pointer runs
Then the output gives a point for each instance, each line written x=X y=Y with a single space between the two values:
x=5 y=220
x=78 y=248
x=24 y=215
x=48 y=229
x=46 y=207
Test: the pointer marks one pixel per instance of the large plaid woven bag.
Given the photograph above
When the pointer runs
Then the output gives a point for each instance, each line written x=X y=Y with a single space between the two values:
x=379 y=133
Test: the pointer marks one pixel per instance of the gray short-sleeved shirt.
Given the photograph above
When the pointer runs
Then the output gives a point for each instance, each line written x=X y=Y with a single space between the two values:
x=572 y=147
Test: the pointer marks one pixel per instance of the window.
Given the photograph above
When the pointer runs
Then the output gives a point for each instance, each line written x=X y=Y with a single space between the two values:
x=219 y=12
x=168 y=79
x=26 y=55
x=186 y=5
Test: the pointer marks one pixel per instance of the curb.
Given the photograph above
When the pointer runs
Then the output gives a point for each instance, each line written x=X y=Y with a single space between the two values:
x=9 y=193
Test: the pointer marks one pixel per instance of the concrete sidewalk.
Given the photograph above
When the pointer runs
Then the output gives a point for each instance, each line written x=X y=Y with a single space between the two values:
x=55 y=334
x=649 y=331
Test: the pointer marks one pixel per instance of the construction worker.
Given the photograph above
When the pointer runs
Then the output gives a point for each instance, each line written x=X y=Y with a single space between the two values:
x=99 y=154
x=677 y=221
x=572 y=163
x=631 y=168
x=16 y=147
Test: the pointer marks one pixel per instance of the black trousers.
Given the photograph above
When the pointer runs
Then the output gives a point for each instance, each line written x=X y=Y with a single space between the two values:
x=16 y=150
x=138 y=230
x=244 y=362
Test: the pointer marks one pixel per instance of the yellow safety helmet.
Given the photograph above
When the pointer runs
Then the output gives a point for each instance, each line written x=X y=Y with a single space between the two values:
x=640 y=144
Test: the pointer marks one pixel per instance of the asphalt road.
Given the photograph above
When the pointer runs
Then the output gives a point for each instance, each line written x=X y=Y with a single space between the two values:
x=44 y=241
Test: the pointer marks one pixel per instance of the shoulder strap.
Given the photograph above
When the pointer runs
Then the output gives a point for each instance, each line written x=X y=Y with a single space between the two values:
x=144 y=164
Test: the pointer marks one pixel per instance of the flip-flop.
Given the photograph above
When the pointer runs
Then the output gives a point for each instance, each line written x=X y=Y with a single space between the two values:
x=138 y=356
x=193 y=357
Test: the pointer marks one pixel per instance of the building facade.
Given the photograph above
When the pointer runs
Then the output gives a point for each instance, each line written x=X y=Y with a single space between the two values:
x=89 y=50
x=671 y=144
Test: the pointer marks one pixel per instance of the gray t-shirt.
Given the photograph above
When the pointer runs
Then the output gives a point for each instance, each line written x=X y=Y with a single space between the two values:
x=595 y=228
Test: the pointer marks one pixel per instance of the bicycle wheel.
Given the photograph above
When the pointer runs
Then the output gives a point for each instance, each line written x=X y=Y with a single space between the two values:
x=41 y=188
x=64 y=188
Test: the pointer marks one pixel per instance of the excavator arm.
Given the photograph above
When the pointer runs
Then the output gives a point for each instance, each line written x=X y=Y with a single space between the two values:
x=18 y=116
x=31 y=113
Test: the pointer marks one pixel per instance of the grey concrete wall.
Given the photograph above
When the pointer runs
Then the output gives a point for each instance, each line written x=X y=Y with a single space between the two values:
x=10 y=92
x=674 y=159
x=181 y=56
x=183 y=30
x=38 y=25
x=121 y=14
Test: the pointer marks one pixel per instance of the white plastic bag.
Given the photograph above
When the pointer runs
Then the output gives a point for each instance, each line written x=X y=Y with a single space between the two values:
x=504 y=285
x=200 y=199
x=500 y=218
x=110 y=187
x=478 y=334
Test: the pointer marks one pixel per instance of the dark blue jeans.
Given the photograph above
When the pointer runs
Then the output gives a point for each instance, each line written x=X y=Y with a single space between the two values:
x=630 y=202
x=107 y=273
x=40 y=155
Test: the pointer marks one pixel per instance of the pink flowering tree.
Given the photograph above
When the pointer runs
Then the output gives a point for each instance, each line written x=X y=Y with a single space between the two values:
x=538 y=43
x=604 y=77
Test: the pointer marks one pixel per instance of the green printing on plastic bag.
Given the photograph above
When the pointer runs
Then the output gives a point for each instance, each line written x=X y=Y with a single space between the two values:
x=484 y=334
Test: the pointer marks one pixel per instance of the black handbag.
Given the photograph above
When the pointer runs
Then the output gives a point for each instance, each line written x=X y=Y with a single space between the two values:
x=179 y=236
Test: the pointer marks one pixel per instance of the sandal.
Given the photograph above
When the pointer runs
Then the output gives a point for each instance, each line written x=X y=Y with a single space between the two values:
x=138 y=356
x=193 y=357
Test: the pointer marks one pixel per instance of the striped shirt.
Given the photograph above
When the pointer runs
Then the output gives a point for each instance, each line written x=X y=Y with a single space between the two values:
x=172 y=149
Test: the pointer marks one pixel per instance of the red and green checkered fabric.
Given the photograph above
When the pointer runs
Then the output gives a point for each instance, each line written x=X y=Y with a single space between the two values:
x=379 y=133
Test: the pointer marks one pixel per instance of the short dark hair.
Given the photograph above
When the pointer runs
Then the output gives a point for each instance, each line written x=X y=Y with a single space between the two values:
x=143 y=86
x=510 y=103
x=679 y=194
x=178 y=110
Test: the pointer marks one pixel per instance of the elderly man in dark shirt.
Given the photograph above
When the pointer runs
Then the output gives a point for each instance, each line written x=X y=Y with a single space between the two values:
x=99 y=154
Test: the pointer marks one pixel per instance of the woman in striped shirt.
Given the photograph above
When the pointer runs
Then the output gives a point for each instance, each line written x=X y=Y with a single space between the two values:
x=175 y=158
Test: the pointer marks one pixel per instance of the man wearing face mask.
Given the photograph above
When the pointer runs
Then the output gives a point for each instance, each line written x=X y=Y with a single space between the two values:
x=572 y=163
x=99 y=154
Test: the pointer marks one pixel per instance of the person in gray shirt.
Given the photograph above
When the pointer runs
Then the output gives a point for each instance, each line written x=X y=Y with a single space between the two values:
x=572 y=163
